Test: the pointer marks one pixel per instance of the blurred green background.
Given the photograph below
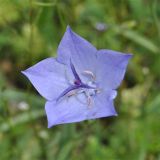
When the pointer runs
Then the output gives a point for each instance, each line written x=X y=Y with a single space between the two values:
x=30 y=30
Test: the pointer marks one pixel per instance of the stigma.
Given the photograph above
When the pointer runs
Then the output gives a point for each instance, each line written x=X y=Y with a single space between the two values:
x=89 y=88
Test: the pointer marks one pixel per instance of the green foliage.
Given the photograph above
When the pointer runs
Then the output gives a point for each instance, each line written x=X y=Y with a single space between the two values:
x=30 y=30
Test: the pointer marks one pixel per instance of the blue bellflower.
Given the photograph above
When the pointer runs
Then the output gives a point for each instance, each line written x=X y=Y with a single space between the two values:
x=81 y=82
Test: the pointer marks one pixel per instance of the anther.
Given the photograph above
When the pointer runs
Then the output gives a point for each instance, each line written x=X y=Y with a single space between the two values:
x=71 y=93
x=89 y=101
x=90 y=74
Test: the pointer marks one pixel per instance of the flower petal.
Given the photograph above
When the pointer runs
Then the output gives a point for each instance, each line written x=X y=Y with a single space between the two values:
x=81 y=52
x=103 y=105
x=48 y=77
x=111 y=67
x=76 y=109
x=68 y=110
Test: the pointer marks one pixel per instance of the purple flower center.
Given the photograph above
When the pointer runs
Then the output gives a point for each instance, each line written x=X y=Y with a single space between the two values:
x=89 y=89
x=77 y=82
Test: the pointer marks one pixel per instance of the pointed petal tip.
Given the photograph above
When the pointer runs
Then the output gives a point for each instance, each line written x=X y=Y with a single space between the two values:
x=114 y=112
x=70 y=31
x=49 y=125
x=113 y=95
x=68 y=28
x=24 y=72
x=129 y=55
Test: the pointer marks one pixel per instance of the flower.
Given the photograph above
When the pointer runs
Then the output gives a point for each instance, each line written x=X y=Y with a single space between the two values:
x=81 y=82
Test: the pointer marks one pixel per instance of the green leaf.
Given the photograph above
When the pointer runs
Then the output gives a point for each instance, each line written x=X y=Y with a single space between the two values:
x=20 y=119
x=44 y=4
x=139 y=39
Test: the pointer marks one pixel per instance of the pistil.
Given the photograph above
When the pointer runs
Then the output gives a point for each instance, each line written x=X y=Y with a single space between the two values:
x=89 y=89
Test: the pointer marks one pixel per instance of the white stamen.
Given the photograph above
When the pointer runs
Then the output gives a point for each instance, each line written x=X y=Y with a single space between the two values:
x=71 y=93
x=90 y=74
x=89 y=101
x=88 y=92
x=89 y=98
